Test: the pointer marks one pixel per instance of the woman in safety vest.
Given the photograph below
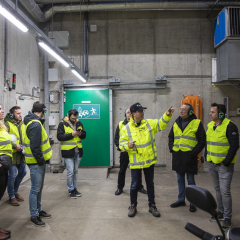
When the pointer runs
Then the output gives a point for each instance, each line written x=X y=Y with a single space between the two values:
x=5 y=163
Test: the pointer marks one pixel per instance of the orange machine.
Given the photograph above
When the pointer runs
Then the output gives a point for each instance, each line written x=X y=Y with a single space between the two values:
x=196 y=102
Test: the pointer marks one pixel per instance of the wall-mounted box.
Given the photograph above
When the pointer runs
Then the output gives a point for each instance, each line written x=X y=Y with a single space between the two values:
x=228 y=59
x=226 y=25
x=60 y=38
x=52 y=121
x=93 y=28
x=52 y=74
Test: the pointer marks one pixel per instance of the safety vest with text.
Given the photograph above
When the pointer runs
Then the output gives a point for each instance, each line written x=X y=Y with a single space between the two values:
x=186 y=140
x=45 y=146
x=217 y=142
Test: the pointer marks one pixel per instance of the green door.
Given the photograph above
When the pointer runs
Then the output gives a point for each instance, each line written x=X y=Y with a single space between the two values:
x=93 y=108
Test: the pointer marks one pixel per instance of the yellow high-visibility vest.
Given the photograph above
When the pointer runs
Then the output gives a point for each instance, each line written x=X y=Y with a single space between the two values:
x=14 y=130
x=45 y=146
x=5 y=143
x=186 y=140
x=217 y=142
x=72 y=143
x=144 y=153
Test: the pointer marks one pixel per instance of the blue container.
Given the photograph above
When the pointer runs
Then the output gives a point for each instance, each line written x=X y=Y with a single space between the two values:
x=220 y=28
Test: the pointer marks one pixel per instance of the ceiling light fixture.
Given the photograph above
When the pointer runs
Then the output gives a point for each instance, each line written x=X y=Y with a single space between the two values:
x=12 y=19
x=53 y=53
x=78 y=75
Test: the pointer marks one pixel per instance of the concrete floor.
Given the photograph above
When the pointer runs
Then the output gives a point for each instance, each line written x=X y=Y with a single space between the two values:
x=99 y=214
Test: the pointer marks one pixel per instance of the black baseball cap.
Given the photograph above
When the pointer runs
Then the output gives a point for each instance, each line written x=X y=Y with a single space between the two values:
x=136 y=107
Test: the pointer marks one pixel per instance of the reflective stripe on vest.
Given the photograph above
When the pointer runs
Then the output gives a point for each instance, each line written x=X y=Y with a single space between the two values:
x=135 y=163
x=186 y=140
x=5 y=143
x=217 y=142
x=14 y=130
x=72 y=143
x=46 y=149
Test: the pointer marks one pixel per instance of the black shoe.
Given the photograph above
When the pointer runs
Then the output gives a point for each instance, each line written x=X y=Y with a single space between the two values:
x=118 y=192
x=192 y=208
x=37 y=221
x=227 y=223
x=73 y=194
x=77 y=193
x=43 y=214
x=178 y=204
x=153 y=210
x=132 y=210
x=219 y=216
x=142 y=190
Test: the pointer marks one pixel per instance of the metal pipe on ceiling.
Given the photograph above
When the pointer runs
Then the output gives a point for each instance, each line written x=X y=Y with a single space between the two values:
x=38 y=15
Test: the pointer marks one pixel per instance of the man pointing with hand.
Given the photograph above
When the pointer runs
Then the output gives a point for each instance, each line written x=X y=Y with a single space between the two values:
x=138 y=139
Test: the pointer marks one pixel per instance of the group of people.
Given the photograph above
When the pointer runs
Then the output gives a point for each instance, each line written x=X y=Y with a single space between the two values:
x=26 y=142
x=135 y=138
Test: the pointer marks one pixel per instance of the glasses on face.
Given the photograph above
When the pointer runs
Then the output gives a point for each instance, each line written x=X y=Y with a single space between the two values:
x=183 y=110
x=141 y=111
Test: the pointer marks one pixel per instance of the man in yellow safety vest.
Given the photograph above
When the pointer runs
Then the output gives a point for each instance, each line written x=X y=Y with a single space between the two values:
x=13 y=122
x=187 y=138
x=138 y=139
x=124 y=159
x=38 y=152
x=222 y=146
x=70 y=132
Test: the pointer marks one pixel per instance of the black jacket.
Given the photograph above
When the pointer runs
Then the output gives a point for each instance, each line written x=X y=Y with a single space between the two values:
x=186 y=162
x=116 y=139
x=34 y=132
x=61 y=136
x=233 y=139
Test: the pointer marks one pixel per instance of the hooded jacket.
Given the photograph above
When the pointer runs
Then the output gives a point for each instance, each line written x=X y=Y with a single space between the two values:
x=61 y=136
x=34 y=132
x=186 y=162
x=16 y=156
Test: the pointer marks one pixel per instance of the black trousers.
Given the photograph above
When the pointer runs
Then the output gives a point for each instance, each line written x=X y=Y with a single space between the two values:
x=124 y=161
x=3 y=180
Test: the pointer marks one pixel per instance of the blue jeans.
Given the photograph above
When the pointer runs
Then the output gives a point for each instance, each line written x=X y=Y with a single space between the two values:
x=72 y=171
x=136 y=178
x=37 y=174
x=16 y=173
x=181 y=184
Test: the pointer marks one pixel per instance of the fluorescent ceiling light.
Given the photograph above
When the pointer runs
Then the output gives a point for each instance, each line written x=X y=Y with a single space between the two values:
x=12 y=19
x=49 y=50
x=78 y=75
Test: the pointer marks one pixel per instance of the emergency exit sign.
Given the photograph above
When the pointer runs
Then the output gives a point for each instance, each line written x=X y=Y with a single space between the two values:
x=88 y=111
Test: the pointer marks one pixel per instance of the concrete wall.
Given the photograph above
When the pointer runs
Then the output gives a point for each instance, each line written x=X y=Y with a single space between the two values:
x=22 y=59
x=136 y=47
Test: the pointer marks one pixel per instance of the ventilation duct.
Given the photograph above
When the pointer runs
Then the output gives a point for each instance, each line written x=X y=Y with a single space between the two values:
x=36 y=13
